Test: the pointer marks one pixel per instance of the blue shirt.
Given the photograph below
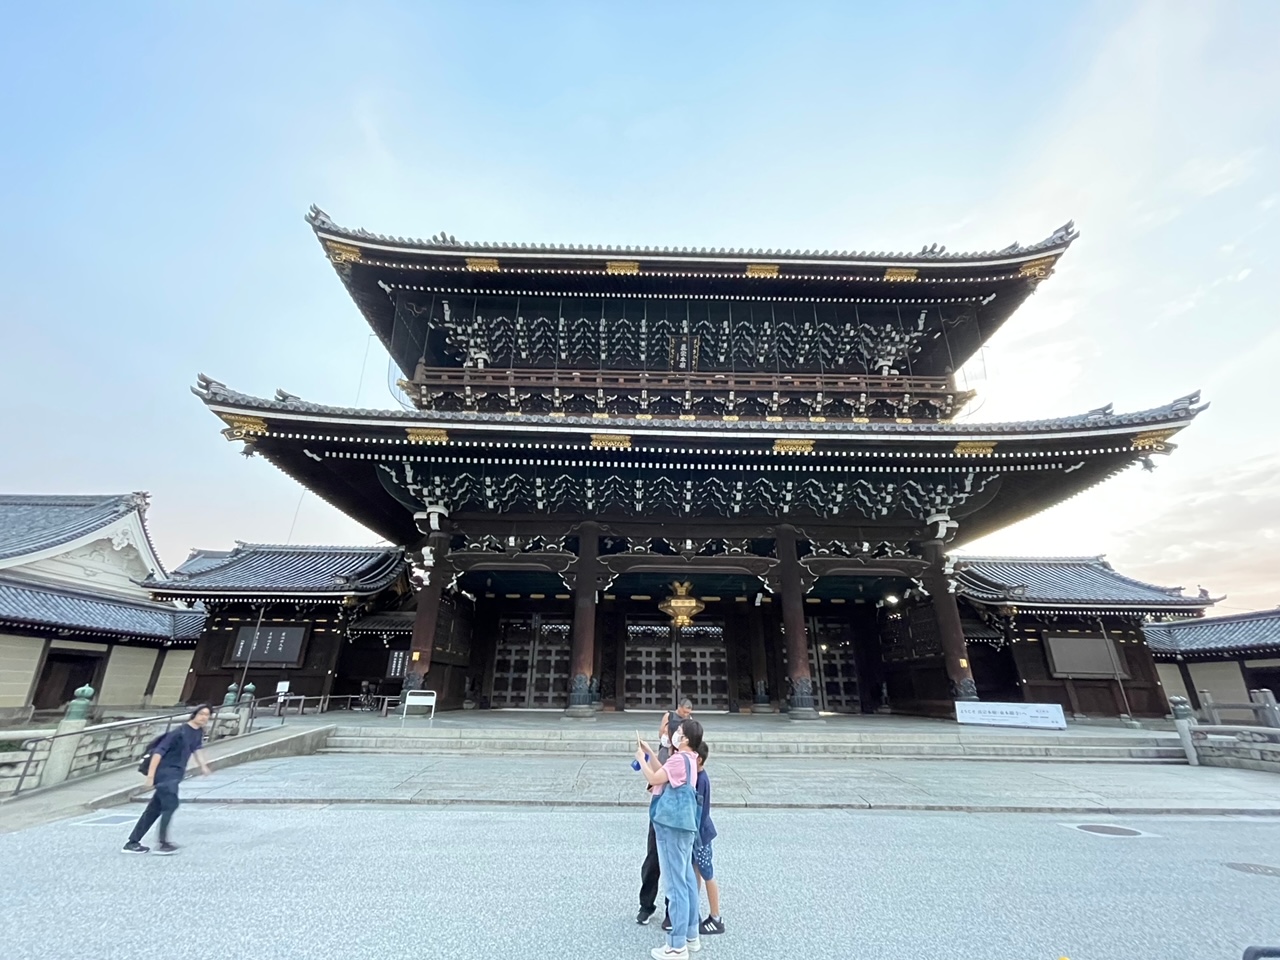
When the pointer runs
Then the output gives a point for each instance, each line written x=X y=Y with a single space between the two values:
x=176 y=749
x=706 y=829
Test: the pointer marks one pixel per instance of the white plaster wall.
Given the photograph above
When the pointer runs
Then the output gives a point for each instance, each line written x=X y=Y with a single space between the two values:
x=99 y=567
x=19 y=658
x=172 y=676
x=1224 y=682
x=128 y=670
x=79 y=645
x=1171 y=680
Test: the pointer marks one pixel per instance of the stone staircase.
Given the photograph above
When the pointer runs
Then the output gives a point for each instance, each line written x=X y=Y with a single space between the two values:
x=792 y=743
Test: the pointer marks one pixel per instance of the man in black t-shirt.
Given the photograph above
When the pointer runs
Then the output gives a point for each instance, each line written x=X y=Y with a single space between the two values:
x=168 y=766
x=650 y=871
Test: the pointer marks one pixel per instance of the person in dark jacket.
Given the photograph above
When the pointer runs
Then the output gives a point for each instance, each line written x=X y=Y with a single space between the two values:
x=702 y=849
x=168 y=766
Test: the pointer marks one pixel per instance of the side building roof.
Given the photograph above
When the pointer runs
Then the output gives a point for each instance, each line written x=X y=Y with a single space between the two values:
x=1068 y=584
x=1241 y=633
x=33 y=523
x=26 y=605
x=267 y=570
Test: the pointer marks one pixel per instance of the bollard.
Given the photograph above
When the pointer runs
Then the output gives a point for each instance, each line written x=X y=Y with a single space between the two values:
x=78 y=709
x=230 y=699
x=1183 y=718
x=62 y=751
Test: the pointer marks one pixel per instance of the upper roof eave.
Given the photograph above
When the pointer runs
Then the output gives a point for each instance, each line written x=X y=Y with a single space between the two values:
x=1056 y=243
x=1180 y=412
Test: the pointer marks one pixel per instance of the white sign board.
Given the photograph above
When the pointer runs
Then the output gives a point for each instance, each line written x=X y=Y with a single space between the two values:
x=282 y=686
x=419 y=698
x=1045 y=716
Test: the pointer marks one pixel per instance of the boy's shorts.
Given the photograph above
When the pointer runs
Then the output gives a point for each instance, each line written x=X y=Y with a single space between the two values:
x=702 y=860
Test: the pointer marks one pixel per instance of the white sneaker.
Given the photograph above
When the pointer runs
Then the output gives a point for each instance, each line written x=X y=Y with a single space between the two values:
x=694 y=945
x=666 y=953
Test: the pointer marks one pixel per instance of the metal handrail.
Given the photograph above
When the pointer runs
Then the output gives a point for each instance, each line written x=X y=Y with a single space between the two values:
x=31 y=746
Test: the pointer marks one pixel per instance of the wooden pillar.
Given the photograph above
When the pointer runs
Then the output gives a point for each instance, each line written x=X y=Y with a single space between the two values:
x=152 y=680
x=794 y=627
x=422 y=640
x=950 y=631
x=582 y=663
x=759 y=662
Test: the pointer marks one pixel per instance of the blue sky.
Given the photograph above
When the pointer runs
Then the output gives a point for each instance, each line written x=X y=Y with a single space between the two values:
x=156 y=160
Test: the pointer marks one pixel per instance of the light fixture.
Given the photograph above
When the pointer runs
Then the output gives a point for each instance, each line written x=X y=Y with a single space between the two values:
x=891 y=599
x=680 y=606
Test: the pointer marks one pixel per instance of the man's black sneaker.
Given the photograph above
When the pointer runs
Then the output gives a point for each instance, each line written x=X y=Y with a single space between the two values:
x=666 y=922
x=133 y=846
x=645 y=913
x=710 y=926
x=166 y=849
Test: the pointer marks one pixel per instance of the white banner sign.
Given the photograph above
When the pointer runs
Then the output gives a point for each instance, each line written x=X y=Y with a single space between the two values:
x=1046 y=716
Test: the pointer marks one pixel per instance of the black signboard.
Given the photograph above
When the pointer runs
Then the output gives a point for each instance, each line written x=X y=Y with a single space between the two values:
x=274 y=645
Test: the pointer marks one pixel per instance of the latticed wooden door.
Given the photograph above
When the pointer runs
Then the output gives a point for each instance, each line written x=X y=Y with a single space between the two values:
x=531 y=665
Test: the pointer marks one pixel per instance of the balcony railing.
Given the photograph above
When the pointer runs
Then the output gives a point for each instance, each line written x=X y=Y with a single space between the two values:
x=682 y=393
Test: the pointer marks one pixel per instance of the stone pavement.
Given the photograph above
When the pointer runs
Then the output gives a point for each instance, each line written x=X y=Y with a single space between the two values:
x=969 y=785
x=381 y=882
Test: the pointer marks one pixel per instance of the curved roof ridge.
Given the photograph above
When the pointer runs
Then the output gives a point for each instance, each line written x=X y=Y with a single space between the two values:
x=1185 y=408
x=31 y=523
x=1029 y=559
x=316 y=547
x=444 y=242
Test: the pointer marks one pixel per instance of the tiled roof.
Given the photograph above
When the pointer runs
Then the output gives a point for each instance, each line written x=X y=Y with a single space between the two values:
x=1065 y=582
x=32 y=523
x=443 y=243
x=33 y=605
x=261 y=568
x=399 y=621
x=1239 y=633
x=1182 y=409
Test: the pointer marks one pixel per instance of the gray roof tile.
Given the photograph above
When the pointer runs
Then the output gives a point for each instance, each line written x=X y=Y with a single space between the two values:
x=1184 y=408
x=1239 y=633
x=443 y=243
x=396 y=621
x=35 y=605
x=260 y=568
x=32 y=523
x=1063 y=581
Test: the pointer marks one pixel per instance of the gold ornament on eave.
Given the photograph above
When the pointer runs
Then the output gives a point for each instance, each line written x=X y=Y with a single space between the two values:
x=681 y=607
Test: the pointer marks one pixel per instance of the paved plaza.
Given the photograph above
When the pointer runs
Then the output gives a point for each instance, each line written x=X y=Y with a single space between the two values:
x=380 y=882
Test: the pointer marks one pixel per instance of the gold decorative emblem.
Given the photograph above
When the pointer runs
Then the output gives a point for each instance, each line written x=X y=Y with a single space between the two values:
x=792 y=446
x=681 y=607
x=482 y=264
x=342 y=252
x=611 y=441
x=621 y=266
x=426 y=435
x=975 y=448
x=239 y=426
x=762 y=269
x=901 y=273
x=903 y=420
x=1037 y=269
x=1153 y=439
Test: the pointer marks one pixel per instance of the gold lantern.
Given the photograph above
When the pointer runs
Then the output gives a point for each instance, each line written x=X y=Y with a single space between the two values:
x=681 y=607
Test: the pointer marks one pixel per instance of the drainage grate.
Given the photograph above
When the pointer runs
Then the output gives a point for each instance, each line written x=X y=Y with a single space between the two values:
x=1259 y=869
x=1107 y=830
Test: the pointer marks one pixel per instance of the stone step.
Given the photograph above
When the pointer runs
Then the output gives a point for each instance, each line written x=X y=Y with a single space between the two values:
x=896 y=746
x=1169 y=757
x=817 y=738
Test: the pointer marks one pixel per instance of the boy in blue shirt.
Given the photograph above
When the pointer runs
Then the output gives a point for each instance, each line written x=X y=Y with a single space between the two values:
x=702 y=849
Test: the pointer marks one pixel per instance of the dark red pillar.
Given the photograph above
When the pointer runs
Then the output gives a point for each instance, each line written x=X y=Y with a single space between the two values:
x=794 y=627
x=582 y=663
x=950 y=631
x=422 y=640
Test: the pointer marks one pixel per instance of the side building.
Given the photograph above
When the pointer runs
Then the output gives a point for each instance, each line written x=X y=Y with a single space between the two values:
x=281 y=613
x=72 y=612
x=1225 y=657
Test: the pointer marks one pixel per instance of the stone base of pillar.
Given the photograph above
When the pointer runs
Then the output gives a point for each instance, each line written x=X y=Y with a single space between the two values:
x=804 y=713
x=966 y=689
x=580 y=711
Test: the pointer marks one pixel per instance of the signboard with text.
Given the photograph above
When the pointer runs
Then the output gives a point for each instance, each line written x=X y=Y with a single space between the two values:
x=1045 y=716
x=268 y=646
